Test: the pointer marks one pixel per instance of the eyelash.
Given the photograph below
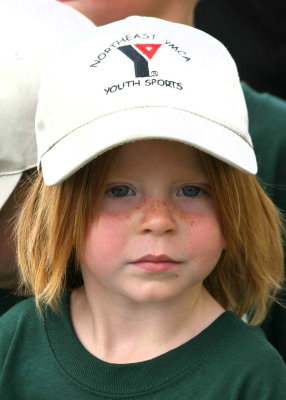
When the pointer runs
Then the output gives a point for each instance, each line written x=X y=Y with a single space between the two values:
x=126 y=192
x=110 y=191
x=198 y=190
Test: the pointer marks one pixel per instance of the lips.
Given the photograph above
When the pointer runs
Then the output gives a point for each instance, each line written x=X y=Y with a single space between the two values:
x=153 y=263
x=154 y=259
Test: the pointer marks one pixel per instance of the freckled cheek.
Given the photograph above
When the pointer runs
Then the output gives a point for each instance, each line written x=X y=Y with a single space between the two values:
x=106 y=237
x=204 y=234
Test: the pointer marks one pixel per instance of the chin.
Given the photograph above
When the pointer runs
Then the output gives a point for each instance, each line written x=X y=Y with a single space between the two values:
x=154 y=292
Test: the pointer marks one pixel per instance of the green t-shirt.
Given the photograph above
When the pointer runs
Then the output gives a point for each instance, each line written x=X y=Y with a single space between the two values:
x=267 y=127
x=42 y=359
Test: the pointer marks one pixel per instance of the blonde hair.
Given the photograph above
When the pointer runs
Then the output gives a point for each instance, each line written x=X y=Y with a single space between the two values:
x=250 y=272
x=54 y=220
x=51 y=229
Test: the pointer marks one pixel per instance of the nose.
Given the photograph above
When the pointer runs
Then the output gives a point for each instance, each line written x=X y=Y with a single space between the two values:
x=157 y=218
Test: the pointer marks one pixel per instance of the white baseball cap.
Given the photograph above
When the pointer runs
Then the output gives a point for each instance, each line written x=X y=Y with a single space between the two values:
x=141 y=78
x=31 y=32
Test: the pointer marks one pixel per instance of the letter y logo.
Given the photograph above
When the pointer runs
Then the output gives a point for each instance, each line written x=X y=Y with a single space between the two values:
x=140 y=62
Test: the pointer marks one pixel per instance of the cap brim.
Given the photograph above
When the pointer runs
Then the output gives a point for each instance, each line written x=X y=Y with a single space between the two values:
x=8 y=184
x=88 y=141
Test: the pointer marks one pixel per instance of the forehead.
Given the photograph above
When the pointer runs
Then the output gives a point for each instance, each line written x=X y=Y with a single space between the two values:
x=157 y=154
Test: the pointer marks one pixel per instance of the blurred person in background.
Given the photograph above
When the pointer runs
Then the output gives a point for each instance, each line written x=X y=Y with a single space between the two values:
x=31 y=33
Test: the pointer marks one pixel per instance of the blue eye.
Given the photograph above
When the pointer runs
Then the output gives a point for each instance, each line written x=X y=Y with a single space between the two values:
x=121 y=191
x=189 y=191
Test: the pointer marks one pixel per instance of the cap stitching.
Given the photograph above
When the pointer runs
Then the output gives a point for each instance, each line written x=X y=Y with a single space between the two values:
x=132 y=108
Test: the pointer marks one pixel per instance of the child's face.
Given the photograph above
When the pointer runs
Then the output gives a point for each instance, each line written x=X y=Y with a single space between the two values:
x=157 y=235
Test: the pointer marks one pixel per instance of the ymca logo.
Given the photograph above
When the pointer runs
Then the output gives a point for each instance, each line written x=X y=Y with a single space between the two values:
x=141 y=64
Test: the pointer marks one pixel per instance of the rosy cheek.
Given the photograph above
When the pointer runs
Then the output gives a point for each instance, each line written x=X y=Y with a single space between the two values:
x=206 y=230
x=105 y=237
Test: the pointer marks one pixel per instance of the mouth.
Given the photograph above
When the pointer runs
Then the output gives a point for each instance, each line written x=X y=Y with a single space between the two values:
x=153 y=263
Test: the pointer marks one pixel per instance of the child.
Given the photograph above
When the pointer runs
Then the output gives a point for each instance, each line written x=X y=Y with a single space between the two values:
x=148 y=236
x=267 y=113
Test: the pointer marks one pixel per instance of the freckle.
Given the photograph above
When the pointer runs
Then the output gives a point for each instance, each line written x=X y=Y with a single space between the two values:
x=153 y=206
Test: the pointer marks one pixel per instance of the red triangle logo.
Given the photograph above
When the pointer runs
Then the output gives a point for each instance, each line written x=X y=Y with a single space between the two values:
x=148 y=49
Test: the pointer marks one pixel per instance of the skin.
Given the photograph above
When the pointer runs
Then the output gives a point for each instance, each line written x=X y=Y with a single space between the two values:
x=166 y=209
x=102 y=12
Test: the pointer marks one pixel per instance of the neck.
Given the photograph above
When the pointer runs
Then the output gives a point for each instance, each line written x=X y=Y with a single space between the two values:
x=181 y=12
x=118 y=331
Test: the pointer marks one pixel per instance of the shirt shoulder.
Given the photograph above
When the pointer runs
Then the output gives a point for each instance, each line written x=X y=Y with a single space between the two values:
x=16 y=323
x=249 y=361
x=17 y=313
x=249 y=346
x=267 y=121
x=266 y=108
